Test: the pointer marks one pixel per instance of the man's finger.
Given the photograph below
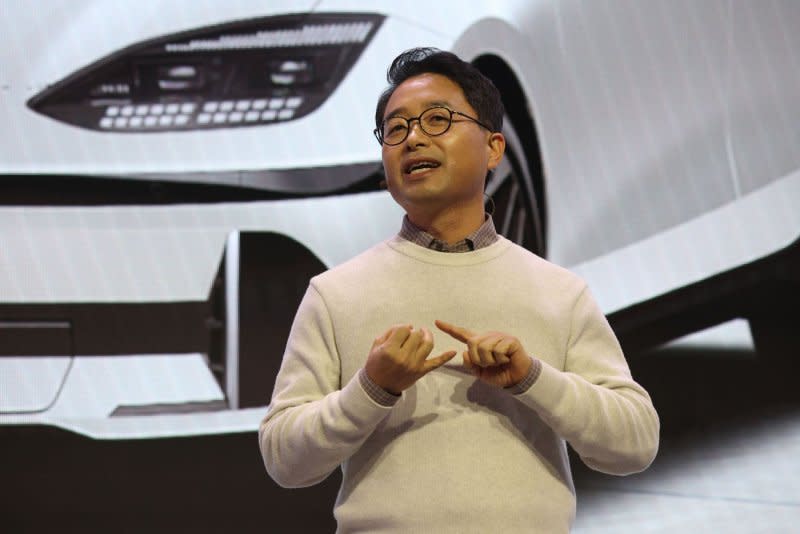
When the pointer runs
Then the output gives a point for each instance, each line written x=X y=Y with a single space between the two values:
x=505 y=348
x=426 y=344
x=467 y=362
x=461 y=334
x=434 y=363
x=500 y=350
x=485 y=349
x=381 y=339
x=427 y=335
x=399 y=335
x=414 y=340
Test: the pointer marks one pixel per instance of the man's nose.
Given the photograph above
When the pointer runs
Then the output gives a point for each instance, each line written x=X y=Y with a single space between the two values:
x=415 y=134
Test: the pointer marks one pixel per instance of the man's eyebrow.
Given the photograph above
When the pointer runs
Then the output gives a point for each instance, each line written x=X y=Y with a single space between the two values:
x=402 y=111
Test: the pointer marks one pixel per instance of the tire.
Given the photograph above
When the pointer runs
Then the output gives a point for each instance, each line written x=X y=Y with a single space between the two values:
x=512 y=198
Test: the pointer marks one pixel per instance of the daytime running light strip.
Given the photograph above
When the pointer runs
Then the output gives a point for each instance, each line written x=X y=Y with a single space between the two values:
x=320 y=34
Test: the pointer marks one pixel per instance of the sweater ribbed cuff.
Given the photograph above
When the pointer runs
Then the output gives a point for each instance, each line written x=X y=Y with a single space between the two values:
x=375 y=392
x=525 y=384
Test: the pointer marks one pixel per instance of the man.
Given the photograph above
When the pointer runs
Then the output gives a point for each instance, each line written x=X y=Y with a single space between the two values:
x=428 y=443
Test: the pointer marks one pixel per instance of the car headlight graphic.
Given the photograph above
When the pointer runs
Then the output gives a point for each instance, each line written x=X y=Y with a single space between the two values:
x=244 y=73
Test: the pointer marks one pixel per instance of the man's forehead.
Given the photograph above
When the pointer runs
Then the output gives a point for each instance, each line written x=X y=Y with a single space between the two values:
x=422 y=92
x=423 y=105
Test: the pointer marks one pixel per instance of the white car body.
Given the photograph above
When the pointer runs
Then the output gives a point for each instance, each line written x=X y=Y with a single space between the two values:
x=668 y=133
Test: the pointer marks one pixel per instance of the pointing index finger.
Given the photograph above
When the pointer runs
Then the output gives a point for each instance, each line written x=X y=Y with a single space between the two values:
x=459 y=333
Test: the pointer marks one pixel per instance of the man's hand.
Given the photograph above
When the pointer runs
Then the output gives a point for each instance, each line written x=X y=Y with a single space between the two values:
x=399 y=357
x=495 y=358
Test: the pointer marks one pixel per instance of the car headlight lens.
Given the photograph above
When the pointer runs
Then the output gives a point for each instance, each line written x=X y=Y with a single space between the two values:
x=245 y=73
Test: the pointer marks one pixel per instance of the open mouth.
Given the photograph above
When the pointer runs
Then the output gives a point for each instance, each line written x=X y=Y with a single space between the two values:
x=418 y=167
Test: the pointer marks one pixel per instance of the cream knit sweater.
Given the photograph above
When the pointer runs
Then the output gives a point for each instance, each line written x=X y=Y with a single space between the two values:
x=454 y=454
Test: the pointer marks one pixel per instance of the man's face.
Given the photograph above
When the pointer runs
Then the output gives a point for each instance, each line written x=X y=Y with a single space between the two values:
x=457 y=161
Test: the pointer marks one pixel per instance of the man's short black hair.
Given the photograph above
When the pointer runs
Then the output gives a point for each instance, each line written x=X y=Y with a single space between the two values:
x=479 y=90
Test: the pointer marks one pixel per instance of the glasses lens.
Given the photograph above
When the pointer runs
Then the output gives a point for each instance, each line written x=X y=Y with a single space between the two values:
x=394 y=130
x=435 y=121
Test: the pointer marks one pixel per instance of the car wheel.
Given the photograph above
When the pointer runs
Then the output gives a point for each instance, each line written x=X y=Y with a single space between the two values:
x=512 y=197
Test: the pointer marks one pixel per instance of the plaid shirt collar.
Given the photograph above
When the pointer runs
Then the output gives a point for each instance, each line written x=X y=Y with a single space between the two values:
x=480 y=238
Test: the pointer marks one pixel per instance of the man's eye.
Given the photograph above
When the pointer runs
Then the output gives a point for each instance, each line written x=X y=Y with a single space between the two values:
x=436 y=121
x=394 y=128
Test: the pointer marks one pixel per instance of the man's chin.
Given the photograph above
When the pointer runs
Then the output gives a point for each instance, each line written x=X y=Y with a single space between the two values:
x=420 y=196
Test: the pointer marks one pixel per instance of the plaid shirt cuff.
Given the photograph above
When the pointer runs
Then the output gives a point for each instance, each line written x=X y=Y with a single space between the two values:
x=525 y=384
x=375 y=392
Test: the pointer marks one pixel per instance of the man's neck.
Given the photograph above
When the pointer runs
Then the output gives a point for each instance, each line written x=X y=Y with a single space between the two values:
x=451 y=225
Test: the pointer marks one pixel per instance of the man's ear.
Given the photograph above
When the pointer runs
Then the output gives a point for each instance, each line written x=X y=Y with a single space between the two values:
x=497 y=146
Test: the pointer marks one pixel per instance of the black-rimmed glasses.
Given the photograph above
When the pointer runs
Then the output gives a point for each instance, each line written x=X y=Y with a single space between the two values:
x=433 y=121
